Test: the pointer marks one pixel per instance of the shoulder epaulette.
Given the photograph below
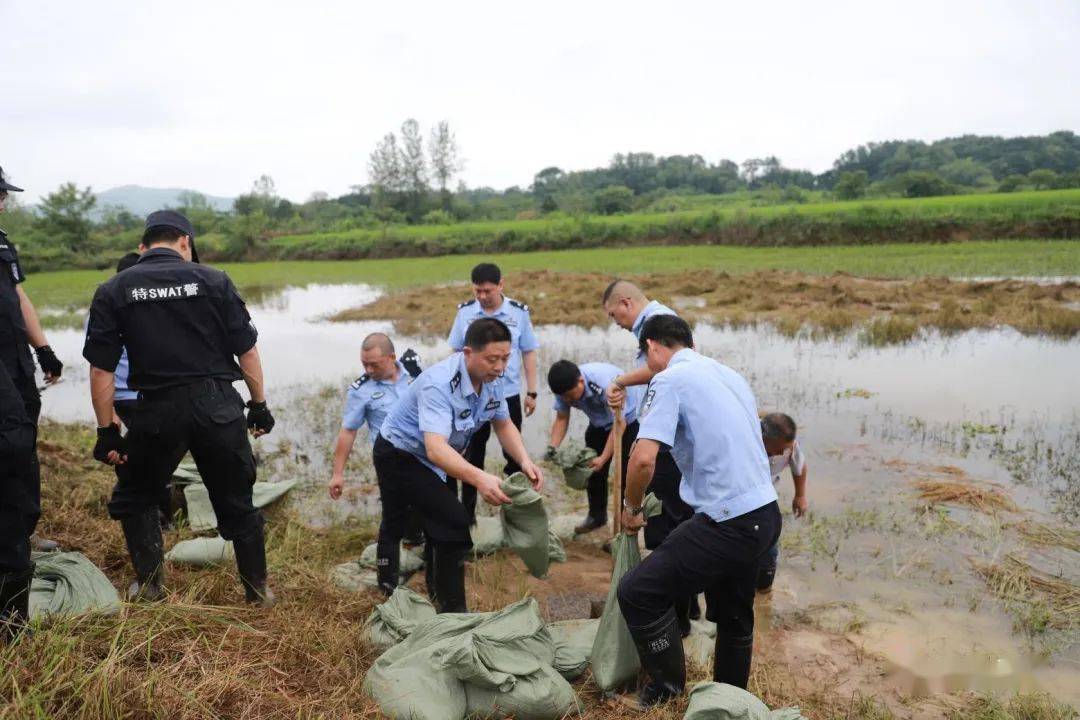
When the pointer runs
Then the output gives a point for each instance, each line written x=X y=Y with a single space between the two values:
x=518 y=304
x=466 y=304
x=455 y=382
x=360 y=381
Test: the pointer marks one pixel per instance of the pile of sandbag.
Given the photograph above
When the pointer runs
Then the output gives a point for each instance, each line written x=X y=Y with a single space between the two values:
x=359 y=575
x=67 y=583
x=200 y=512
x=453 y=666
x=573 y=458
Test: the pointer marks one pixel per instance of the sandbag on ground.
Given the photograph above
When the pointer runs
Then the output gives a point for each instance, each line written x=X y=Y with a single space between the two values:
x=410 y=560
x=572 y=457
x=67 y=583
x=202 y=552
x=540 y=695
x=394 y=620
x=573 y=644
x=487 y=535
x=563 y=526
x=719 y=701
x=200 y=512
x=525 y=524
x=354 y=577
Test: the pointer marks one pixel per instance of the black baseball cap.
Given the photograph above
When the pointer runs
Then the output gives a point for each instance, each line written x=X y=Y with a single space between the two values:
x=5 y=186
x=176 y=221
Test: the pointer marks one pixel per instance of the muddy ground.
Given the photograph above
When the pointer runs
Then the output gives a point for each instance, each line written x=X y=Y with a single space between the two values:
x=887 y=310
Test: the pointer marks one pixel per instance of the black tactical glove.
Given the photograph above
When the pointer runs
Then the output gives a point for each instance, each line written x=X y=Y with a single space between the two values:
x=108 y=439
x=50 y=364
x=259 y=417
x=411 y=362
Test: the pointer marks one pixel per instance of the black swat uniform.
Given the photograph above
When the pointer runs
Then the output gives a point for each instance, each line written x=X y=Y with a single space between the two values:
x=17 y=435
x=182 y=324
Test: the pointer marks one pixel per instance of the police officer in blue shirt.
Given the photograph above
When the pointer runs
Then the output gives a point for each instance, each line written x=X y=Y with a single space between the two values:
x=489 y=302
x=370 y=397
x=421 y=443
x=706 y=414
x=583 y=388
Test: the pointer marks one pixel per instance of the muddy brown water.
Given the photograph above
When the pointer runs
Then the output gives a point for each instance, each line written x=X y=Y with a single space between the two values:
x=988 y=406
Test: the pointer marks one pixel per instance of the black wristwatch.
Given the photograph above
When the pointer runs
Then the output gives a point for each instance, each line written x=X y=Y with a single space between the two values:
x=531 y=394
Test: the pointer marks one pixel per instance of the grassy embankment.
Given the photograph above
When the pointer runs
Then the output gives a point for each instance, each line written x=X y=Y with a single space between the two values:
x=1053 y=214
x=199 y=655
x=73 y=289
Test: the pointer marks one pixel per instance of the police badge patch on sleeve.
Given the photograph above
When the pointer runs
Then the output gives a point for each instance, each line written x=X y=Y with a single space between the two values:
x=492 y=404
x=648 y=401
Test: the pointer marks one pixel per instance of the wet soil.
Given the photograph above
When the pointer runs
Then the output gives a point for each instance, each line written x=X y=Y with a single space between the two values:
x=891 y=310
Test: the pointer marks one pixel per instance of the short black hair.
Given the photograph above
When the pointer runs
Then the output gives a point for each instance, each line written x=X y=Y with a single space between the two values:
x=563 y=376
x=486 y=273
x=127 y=261
x=668 y=330
x=485 y=331
x=609 y=289
x=159 y=234
x=778 y=426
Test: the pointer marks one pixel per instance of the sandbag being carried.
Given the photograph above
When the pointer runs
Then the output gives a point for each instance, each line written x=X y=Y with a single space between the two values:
x=614 y=658
x=394 y=620
x=67 y=583
x=556 y=551
x=525 y=524
x=200 y=512
x=573 y=458
x=202 y=552
x=719 y=701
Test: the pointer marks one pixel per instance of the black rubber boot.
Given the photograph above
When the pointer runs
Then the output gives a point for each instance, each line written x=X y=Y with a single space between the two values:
x=251 y=564
x=143 y=535
x=660 y=649
x=14 y=603
x=731 y=659
x=682 y=612
x=429 y=570
x=589 y=524
x=387 y=565
x=449 y=576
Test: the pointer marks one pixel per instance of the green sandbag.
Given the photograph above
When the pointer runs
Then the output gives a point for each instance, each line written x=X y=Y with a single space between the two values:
x=573 y=644
x=719 y=701
x=67 y=583
x=202 y=552
x=200 y=512
x=394 y=620
x=541 y=695
x=556 y=551
x=409 y=560
x=525 y=524
x=572 y=457
x=354 y=577
x=614 y=658
x=487 y=535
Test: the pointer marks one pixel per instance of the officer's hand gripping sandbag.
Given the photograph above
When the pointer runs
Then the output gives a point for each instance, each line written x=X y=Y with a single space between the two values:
x=525 y=524
x=614 y=658
x=573 y=458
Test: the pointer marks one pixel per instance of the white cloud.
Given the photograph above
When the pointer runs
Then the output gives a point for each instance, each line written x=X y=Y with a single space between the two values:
x=210 y=95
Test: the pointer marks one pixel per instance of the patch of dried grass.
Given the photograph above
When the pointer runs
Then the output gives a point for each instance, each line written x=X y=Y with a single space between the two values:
x=984 y=498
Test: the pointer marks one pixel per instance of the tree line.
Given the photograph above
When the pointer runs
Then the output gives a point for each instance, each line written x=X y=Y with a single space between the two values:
x=411 y=180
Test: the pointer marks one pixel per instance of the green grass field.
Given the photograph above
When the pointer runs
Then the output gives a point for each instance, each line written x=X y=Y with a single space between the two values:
x=1035 y=258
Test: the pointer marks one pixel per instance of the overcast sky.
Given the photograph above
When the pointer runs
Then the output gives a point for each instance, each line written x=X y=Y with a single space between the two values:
x=209 y=95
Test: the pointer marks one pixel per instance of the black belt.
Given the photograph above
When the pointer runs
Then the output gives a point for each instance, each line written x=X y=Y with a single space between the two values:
x=194 y=389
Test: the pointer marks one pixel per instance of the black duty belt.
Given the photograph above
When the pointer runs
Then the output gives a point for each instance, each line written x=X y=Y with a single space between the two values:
x=194 y=389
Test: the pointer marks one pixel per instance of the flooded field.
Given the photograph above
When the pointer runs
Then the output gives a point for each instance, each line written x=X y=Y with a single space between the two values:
x=941 y=552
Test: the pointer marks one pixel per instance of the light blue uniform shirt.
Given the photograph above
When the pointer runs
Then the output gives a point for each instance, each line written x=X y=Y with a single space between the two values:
x=593 y=402
x=121 y=391
x=442 y=401
x=522 y=338
x=707 y=414
x=368 y=401
x=653 y=308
